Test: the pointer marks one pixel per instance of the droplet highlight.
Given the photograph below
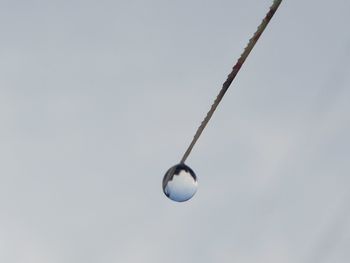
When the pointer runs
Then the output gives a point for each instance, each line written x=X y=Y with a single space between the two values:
x=180 y=183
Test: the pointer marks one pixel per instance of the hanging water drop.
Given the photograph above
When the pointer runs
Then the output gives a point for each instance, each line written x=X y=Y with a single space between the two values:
x=180 y=183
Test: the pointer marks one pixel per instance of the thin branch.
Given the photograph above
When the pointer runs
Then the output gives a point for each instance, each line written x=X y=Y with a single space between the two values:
x=232 y=75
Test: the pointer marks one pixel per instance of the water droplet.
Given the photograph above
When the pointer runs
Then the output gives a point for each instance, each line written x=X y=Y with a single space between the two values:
x=180 y=183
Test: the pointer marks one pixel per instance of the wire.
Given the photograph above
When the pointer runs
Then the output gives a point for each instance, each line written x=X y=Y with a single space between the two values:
x=232 y=75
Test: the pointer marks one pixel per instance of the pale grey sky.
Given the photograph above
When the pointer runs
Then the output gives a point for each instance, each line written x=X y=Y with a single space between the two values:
x=99 y=98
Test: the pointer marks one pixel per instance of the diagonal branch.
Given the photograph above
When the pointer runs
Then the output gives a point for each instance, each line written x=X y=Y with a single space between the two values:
x=232 y=75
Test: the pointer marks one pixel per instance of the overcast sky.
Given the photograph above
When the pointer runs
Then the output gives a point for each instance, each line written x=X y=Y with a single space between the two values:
x=99 y=98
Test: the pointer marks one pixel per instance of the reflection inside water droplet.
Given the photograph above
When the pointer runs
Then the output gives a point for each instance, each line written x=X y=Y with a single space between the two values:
x=180 y=183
